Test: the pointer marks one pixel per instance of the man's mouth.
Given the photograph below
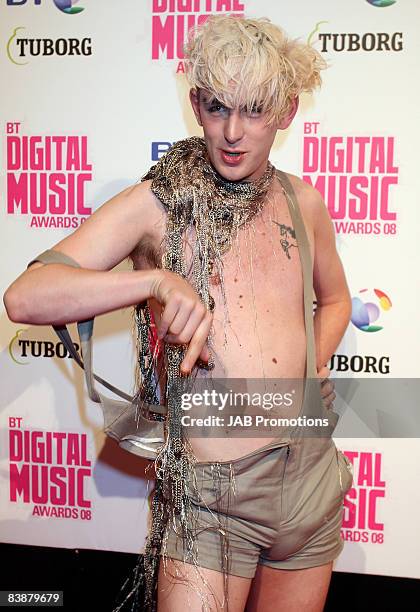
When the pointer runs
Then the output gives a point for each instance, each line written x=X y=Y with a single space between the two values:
x=232 y=157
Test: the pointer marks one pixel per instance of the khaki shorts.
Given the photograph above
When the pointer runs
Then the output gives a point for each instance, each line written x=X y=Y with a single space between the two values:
x=286 y=510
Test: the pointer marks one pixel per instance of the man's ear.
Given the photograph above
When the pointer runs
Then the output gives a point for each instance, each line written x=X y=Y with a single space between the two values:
x=287 y=119
x=195 y=103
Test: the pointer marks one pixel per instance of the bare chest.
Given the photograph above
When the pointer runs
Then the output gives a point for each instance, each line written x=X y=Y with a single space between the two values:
x=259 y=322
x=258 y=326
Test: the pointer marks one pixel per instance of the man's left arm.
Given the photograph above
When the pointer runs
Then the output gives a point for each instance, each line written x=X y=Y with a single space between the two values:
x=333 y=311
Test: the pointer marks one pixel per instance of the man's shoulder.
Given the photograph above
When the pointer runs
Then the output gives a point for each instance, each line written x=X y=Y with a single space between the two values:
x=141 y=193
x=148 y=211
x=305 y=193
x=309 y=199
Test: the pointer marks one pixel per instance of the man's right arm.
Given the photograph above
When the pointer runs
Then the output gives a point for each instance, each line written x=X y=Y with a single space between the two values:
x=49 y=294
x=57 y=293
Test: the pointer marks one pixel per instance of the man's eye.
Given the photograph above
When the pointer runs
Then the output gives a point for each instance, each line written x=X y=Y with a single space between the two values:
x=215 y=108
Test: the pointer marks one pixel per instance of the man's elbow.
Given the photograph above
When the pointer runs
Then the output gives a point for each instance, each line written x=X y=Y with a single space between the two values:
x=342 y=305
x=15 y=305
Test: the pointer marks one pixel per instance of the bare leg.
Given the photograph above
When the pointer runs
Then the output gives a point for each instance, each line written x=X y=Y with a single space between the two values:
x=179 y=589
x=292 y=590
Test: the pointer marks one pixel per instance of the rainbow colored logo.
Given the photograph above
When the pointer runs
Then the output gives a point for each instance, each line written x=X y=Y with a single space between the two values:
x=381 y=3
x=66 y=6
x=363 y=314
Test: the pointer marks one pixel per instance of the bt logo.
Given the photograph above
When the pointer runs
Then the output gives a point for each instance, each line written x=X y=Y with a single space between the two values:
x=159 y=148
x=66 y=6
x=381 y=3
x=364 y=313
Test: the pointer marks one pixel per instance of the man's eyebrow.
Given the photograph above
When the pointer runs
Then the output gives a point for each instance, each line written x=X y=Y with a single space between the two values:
x=211 y=99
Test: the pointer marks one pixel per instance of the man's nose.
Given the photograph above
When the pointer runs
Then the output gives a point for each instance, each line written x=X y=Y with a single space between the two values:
x=234 y=129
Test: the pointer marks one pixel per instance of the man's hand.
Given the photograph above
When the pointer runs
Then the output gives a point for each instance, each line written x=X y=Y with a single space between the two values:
x=327 y=387
x=185 y=319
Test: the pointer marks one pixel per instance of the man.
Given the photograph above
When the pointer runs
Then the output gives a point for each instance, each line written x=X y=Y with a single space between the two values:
x=235 y=246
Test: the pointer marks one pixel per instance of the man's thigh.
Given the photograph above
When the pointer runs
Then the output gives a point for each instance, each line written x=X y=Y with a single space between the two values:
x=301 y=590
x=184 y=588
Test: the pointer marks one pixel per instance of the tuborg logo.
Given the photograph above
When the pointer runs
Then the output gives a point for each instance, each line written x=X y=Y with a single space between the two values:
x=21 y=48
x=381 y=3
x=365 y=313
x=354 y=41
x=25 y=348
x=359 y=363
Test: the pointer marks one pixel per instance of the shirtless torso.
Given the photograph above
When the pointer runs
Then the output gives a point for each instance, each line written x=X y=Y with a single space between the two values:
x=264 y=292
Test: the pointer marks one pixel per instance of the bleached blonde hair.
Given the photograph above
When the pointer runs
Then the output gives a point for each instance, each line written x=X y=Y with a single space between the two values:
x=250 y=62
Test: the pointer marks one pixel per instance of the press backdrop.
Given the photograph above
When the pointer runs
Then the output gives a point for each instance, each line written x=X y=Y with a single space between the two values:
x=100 y=86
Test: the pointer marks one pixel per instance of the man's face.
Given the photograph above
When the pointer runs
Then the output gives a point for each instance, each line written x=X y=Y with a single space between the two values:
x=238 y=141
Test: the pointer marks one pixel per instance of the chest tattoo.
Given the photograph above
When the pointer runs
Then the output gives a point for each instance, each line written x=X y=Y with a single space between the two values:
x=286 y=233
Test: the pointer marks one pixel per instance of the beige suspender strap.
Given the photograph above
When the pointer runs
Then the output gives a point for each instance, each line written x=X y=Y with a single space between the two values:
x=122 y=419
x=306 y=262
x=50 y=256
x=85 y=329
